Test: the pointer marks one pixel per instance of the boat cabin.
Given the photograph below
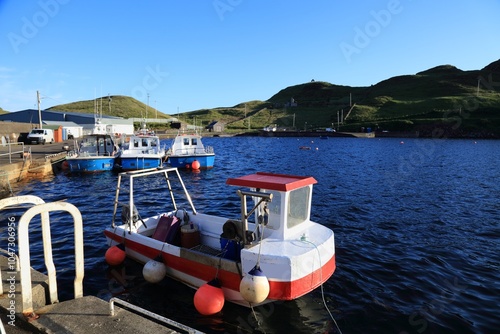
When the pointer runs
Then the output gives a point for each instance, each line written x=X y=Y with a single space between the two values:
x=288 y=209
x=188 y=145
x=143 y=143
x=97 y=145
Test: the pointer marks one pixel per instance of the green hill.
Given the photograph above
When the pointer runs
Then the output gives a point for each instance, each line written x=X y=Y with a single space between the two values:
x=114 y=105
x=458 y=103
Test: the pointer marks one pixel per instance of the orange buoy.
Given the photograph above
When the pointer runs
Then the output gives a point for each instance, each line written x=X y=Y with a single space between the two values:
x=115 y=255
x=209 y=298
x=195 y=165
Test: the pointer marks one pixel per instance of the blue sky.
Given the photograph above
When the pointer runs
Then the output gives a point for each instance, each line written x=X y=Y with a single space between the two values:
x=188 y=55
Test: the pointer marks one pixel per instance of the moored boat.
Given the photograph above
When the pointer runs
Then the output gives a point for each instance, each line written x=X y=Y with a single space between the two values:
x=142 y=151
x=187 y=151
x=95 y=153
x=271 y=234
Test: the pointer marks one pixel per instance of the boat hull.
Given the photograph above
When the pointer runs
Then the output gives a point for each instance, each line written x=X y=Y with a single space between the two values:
x=185 y=161
x=292 y=267
x=135 y=163
x=90 y=164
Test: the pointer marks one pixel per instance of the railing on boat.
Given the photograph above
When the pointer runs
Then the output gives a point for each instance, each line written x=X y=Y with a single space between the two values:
x=194 y=151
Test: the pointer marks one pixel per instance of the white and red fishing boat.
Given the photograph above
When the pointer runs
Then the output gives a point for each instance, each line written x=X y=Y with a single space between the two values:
x=268 y=251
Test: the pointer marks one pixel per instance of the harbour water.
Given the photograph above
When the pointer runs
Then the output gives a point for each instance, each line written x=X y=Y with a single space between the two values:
x=416 y=223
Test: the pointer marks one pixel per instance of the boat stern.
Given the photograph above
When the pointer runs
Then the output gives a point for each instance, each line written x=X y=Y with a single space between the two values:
x=294 y=267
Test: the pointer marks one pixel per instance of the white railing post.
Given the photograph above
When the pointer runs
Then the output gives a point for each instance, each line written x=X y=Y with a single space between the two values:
x=24 y=252
x=43 y=209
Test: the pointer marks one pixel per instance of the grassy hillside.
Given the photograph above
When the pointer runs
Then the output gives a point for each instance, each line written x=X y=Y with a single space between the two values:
x=459 y=103
x=443 y=97
x=118 y=105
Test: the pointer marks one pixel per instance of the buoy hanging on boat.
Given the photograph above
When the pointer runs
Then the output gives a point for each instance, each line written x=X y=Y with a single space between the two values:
x=209 y=298
x=154 y=270
x=254 y=287
x=195 y=165
x=115 y=255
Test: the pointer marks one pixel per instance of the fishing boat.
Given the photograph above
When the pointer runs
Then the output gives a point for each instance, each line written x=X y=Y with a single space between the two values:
x=188 y=152
x=95 y=153
x=268 y=251
x=142 y=151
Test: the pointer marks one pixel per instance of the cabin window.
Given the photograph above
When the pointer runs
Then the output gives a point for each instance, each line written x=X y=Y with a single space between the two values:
x=274 y=211
x=136 y=143
x=153 y=143
x=144 y=142
x=298 y=206
x=186 y=141
x=194 y=142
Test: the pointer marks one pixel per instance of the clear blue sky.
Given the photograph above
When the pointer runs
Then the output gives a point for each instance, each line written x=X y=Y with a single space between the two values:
x=189 y=55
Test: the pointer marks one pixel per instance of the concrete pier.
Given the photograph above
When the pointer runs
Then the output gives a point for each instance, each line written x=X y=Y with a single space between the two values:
x=37 y=162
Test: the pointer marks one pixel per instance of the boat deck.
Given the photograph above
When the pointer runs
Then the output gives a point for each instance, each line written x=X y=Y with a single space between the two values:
x=207 y=250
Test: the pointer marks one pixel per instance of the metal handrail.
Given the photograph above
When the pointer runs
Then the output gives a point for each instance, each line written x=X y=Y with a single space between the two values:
x=155 y=316
x=43 y=210
x=10 y=153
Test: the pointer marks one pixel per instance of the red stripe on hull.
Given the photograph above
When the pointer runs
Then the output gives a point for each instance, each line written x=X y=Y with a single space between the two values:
x=300 y=287
x=201 y=271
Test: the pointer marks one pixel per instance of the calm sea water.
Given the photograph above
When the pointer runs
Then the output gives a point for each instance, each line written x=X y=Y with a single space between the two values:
x=417 y=226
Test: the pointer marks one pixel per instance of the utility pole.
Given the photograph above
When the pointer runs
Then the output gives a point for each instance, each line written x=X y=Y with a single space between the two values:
x=109 y=104
x=39 y=111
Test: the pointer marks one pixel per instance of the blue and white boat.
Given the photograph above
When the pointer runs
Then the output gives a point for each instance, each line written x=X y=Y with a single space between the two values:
x=141 y=152
x=95 y=153
x=188 y=152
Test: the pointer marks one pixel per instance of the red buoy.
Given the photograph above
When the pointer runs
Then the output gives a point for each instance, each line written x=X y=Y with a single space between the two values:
x=115 y=255
x=195 y=165
x=209 y=298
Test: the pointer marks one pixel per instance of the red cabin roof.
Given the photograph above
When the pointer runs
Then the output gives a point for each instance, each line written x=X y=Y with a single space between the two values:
x=270 y=181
